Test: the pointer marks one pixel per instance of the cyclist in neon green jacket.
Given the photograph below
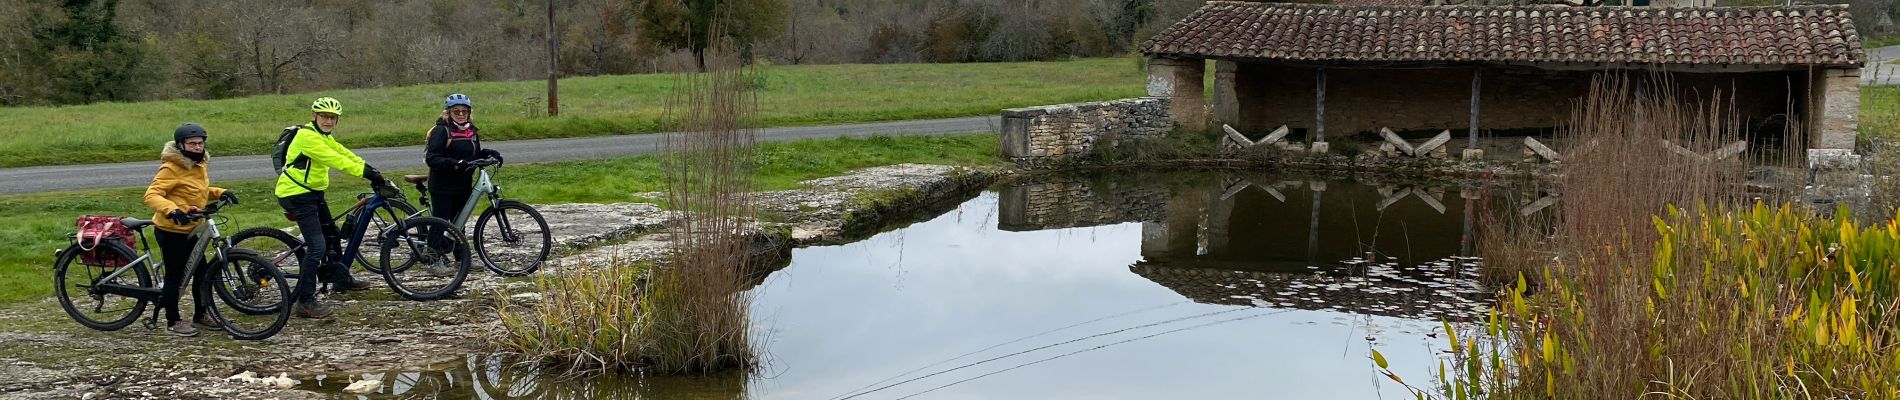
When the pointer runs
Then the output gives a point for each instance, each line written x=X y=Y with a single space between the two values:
x=312 y=153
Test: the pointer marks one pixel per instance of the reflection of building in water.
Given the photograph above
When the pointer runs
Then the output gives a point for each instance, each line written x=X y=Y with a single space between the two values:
x=1371 y=247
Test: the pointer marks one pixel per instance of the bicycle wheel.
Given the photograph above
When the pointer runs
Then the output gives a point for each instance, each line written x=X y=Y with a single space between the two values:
x=512 y=239
x=439 y=255
x=381 y=220
x=255 y=298
x=277 y=246
x=75 y=282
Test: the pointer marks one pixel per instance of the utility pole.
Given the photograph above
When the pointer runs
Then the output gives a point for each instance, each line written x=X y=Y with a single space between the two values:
x=554 y=71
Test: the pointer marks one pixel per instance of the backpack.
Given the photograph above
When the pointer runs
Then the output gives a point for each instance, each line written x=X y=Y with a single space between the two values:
x=282 y=151
x=278 y=154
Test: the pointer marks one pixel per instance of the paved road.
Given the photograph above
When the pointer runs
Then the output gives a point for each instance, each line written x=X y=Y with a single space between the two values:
x=1881 y=71
x=92 y=176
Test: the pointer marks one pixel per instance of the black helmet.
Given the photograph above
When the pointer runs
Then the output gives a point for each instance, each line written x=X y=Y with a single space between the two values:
x=187 y=131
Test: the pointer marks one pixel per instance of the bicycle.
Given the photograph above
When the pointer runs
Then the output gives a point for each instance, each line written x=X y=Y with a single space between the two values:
x=242 y=280
x=509 y=256
x=441 y=253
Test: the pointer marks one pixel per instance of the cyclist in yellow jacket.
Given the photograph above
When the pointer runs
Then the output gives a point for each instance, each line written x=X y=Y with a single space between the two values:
x=183 y=185
x=312 y=153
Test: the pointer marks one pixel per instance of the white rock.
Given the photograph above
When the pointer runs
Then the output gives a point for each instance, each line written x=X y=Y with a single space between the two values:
x=284 y=382
x=245 y=376
x=526 y=298
x=364 y=386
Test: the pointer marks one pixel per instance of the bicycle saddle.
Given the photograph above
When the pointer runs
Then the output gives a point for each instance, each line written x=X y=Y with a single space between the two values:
x=415 y=178
x=135 y=223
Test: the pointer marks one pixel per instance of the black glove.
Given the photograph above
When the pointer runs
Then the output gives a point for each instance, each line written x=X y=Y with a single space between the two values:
x=491 y=153
x=375 y=177
x=463 y=164
x=228 y=197
x=178 y=217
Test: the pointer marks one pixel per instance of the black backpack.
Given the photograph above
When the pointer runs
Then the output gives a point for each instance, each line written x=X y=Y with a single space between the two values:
x=278 y=155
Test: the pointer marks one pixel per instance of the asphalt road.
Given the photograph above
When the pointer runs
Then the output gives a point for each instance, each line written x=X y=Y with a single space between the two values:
x=92 y=176
x=1881 y=70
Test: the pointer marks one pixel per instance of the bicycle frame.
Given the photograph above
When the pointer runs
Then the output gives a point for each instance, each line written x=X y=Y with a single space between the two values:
x=359 y=216
x=206 y=235
x=483 y=187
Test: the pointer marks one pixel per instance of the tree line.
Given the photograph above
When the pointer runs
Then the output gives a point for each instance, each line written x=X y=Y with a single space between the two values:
x=84 y=51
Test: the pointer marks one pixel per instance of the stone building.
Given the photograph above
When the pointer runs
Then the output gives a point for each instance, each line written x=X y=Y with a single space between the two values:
x=1328 y=71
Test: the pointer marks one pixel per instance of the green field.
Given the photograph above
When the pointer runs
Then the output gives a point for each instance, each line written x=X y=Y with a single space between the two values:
x=1883 y=42
x=1880 y=112
x=590 y=106
x=37 y=224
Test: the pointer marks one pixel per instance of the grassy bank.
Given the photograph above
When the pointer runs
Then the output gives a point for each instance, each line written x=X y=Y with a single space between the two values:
x=1880 y=112
x=787 y=95
x=37 y=223
x=1755 y=302
x=1882 y=42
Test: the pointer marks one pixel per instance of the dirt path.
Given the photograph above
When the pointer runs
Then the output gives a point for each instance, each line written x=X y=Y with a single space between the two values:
x=45 y=355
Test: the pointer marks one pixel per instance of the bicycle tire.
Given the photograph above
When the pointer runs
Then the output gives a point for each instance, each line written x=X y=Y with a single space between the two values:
x=283 y=249
x=69 y=258
x=380 y=222
x=438 y=243
x=504 y=225
x=278 y=312
x=237 y=285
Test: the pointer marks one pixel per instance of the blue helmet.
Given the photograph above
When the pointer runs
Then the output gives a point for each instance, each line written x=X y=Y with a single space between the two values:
x=457 y=99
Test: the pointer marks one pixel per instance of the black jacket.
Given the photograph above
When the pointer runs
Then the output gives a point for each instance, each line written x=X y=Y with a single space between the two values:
x=446 y=147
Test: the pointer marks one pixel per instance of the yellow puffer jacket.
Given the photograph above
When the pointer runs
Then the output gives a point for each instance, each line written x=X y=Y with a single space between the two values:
x=179 y=185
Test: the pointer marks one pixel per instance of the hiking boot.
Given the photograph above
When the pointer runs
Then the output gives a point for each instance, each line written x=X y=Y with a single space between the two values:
x=312 y=309
x=182 y=329
x=350 y=285
x=203 y=322
x=441 y=270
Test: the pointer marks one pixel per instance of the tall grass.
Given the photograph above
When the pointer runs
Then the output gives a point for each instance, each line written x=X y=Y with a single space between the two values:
x=689 y=312
x=698 y=304
x=1644 y=299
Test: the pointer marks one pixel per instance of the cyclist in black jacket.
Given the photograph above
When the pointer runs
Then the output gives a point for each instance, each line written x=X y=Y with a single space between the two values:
x=453 y=144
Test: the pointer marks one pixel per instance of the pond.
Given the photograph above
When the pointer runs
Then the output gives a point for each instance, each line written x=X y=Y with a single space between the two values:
x=1177 y=285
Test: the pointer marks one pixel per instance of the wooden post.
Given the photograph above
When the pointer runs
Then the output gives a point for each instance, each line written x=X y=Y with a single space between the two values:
x=554 y=72
x=1319 y=105
x=1477 y=75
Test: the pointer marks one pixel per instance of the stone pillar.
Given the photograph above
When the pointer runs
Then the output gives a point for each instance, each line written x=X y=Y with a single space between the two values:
x=1179 y=80
x=1226 y=95
x=1835 y=118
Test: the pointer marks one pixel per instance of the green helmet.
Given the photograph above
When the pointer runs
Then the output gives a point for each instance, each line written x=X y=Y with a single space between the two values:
x=327 y=105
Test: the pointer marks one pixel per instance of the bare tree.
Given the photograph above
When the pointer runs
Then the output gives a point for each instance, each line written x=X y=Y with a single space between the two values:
x=274 y=38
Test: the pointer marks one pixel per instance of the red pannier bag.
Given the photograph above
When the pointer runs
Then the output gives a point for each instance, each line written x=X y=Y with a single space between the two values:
x=94 y=231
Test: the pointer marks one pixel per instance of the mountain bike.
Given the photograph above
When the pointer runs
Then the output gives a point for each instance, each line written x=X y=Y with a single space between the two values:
x=510 y=237
x=106 y=285
x=401 y=243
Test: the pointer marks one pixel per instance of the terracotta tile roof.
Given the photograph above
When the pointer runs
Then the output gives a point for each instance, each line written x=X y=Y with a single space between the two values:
x=1379 y=2
x=1794 y=35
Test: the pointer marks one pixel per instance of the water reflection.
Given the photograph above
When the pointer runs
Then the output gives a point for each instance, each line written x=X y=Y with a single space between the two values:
x=496 y=378
x=1143 y=286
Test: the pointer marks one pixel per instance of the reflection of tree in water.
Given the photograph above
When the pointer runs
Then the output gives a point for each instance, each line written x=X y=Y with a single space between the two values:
x=494 y=377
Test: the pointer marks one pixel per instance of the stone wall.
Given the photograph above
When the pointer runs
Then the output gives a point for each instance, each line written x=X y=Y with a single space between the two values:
x=1047 y=133
x=1076 y=202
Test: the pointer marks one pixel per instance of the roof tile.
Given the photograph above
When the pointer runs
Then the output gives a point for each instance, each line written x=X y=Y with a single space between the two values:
x=1401 y=30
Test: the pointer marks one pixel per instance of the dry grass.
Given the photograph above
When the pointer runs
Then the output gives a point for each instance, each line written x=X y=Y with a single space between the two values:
x=697 y=303
x=1646 y=300
x=690 y=313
